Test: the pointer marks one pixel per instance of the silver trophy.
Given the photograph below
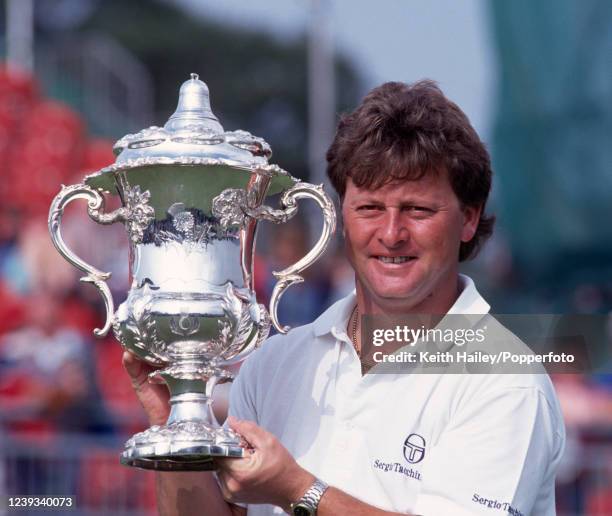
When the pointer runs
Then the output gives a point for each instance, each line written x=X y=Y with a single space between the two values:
x=191 y=195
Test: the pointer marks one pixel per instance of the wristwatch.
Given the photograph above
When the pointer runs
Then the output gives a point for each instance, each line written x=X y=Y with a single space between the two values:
x=307 y=505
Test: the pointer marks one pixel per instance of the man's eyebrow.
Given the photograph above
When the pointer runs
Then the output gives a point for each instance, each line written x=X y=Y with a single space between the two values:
x=412 y=202
x=366 y=197
x=408 y=201
x=368 y=200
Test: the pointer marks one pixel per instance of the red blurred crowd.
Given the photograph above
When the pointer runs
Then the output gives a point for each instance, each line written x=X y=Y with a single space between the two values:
x=45 y=321
x=55 y=379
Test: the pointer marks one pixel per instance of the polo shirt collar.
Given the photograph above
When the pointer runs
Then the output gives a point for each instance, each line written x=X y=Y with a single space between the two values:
x=469 y=302
x=336 y=316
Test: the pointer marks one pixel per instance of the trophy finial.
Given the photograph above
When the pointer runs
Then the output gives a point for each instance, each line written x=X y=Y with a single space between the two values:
x=193 y=107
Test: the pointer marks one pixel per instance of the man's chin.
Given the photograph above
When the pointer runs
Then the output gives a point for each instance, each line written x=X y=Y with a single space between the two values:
x=397 y=299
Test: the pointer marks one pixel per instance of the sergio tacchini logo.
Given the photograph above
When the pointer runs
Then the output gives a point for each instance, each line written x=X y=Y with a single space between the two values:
x=414 y=448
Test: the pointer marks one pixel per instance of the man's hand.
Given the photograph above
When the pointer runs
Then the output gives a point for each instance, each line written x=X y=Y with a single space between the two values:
x=153 y=397
x=267 y=474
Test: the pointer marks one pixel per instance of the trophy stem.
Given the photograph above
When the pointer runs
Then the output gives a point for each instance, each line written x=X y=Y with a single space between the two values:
x=192 y=407
x=192 y=437
x=191 y=400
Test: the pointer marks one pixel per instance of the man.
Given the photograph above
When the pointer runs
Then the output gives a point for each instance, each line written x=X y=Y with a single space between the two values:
x=413 y=178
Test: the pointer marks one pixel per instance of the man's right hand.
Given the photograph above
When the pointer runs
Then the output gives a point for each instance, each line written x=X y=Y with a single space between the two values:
x=153 y=397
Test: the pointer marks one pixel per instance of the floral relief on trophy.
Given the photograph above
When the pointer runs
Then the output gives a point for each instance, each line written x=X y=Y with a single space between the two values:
x=234 y=205
x=229 y=207
x=180 y=431
x=190 y=226
x=263 y=322
x=229 y=325
x=134 y=326
x=136 y=213
x=225 y=336
x=236 y=325
x=246 y=141
x=193 y=134
x=198 y=134
x=140 y=213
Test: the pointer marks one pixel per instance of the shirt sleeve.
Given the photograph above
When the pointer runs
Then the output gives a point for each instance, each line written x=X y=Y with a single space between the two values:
x=498 y=456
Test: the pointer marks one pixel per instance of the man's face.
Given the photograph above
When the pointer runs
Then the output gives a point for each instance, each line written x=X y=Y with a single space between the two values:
x=403 y=242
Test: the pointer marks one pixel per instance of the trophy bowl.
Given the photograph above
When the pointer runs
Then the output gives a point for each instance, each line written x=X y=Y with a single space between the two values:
x=191 y=197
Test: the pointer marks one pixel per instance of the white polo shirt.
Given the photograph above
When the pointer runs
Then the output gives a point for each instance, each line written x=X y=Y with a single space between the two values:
x=429 y=444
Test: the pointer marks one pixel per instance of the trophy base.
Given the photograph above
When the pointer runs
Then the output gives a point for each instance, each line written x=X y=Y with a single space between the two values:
x=181 y=446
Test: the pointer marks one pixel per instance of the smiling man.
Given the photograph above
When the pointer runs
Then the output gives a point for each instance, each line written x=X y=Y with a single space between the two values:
x=413 y=178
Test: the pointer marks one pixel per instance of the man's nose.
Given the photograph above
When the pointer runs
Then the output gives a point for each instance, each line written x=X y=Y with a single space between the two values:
x=393 y=231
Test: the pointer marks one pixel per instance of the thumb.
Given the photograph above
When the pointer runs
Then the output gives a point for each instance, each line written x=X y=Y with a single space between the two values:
x=256 y=436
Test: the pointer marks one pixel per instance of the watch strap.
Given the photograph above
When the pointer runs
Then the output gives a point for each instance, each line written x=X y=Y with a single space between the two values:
x=311 y=498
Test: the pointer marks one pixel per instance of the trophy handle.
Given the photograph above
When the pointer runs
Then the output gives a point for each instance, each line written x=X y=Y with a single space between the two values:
x=95 y=208
x=290 y=275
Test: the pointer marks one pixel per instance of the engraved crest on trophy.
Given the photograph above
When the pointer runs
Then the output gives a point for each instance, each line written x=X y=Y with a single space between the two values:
x=192 y=195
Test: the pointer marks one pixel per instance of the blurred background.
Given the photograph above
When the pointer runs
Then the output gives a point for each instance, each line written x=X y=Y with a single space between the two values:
x=535 y=78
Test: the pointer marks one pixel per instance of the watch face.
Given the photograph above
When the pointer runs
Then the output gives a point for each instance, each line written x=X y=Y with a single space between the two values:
x=301 y=511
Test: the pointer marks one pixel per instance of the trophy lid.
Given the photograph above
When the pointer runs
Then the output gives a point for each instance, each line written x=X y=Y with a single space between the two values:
x=192 y=136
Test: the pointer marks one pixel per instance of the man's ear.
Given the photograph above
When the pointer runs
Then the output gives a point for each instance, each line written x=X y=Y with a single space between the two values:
x=471 y=218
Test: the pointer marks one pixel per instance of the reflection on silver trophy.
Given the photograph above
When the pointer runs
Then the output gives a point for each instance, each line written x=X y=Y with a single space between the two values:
x=192 y=195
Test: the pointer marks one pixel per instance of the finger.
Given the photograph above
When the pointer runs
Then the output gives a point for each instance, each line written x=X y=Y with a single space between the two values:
x=139 y=375
x=136 y=369
x=256 y=436
x=153 y=397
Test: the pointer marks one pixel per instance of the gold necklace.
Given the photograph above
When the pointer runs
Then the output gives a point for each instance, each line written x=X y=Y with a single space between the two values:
x=354 y=329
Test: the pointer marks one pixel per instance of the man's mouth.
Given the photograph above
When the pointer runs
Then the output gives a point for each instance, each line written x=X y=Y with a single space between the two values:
x=395 y=259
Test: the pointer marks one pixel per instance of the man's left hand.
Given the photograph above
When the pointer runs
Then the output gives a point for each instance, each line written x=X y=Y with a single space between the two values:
x=267 y=473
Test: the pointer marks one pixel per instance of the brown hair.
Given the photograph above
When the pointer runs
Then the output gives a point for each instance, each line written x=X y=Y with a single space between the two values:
x=401 y=132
